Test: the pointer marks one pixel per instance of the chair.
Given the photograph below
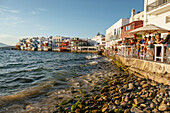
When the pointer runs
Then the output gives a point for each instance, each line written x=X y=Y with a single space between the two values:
x=142 y=52
x=149 y=55
x=168 y=56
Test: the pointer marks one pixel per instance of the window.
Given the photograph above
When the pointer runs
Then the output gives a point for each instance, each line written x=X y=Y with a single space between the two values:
x=168 y=19
x=126 y=28
x=114 y=31
x=132 y=26
x=118 y=31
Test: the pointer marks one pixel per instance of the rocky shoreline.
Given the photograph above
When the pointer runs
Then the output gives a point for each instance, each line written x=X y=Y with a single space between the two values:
x=111 y=92
x=108 y=90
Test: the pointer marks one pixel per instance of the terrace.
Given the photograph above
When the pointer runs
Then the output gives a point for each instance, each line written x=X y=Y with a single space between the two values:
x=130 y=51
x=158 y=7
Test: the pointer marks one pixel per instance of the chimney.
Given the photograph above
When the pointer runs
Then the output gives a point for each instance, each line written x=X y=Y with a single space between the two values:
x=133 y=12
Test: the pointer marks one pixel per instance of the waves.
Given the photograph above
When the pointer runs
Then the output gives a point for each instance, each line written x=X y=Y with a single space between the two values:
x=26 y=74
x=30 y=92
x=20 y=70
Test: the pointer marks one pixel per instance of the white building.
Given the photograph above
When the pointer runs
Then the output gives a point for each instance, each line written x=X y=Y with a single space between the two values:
x=99 y=41
x=157 y=12
x=57 y=40
x=136 y=17
x=114 y=32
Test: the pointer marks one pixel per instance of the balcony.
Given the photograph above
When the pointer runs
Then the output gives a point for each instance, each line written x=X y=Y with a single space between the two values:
x=158 y=7
x=114 y=37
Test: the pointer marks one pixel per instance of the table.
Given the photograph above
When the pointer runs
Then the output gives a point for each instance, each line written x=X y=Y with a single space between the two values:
x=119 y=50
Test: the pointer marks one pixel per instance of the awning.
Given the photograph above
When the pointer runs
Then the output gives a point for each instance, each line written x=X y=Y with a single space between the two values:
x=118 y=40
x=149 y=29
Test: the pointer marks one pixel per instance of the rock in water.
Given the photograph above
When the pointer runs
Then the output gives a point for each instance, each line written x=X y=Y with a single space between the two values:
x=131 y=86
x=152 y=105
x=138 y=101
x=136 y=110
x=127 y=111
x=122 y=90
x=104 y=108
x=163 y=107
x=145 y=85
x=112 y=108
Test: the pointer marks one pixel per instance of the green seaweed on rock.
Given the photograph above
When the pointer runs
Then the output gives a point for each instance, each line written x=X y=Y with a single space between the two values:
x=119 y=110
x=65 y=102
x=74 y=106
x=134 y=105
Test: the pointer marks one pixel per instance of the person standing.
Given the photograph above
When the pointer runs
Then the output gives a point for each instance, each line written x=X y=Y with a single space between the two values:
x=150 y=46
x=167 y=41
x=138 y=47
x=152 y=40
x=158 y=41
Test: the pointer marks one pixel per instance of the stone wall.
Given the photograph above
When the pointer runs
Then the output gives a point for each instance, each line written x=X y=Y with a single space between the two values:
x=156 y=71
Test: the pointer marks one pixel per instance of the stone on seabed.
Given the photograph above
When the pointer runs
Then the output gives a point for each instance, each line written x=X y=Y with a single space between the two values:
x=136 y=110
x=138 y=101
x=163 y=107
x=131 y=86
x=145 y=85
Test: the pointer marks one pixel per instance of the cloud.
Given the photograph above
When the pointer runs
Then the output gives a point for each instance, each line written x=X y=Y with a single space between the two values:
x=9 y=17
x=5 y=9
x=42 y=9
x=35 y=12
x=38 y=11
x=12 y=20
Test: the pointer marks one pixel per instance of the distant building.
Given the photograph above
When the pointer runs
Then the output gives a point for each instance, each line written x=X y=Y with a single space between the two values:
x=99 y=41
x=157 y=12
x=42 y=43
x=76 y=42
x=114 y=32
x=57 y=41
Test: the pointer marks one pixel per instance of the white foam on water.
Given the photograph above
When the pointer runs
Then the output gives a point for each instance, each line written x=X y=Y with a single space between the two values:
x=92 y=57
x=93 y=63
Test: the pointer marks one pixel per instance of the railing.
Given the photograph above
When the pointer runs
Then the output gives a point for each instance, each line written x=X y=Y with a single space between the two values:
x=156 y=4
x=144 y=54
x=139 y=25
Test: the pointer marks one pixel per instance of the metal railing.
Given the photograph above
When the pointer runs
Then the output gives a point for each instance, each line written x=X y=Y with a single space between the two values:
x=156 y=4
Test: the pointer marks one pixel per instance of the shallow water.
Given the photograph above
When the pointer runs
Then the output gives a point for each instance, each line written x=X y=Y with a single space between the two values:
x=32 y=72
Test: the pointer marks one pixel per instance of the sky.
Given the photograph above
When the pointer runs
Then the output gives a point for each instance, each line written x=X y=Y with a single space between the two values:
x=73 y=18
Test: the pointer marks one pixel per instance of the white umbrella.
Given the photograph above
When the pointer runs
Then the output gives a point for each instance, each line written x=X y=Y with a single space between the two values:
x=149 y=29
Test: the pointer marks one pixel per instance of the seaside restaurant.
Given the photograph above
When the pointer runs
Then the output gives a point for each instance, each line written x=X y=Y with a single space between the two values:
x=147 y=30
